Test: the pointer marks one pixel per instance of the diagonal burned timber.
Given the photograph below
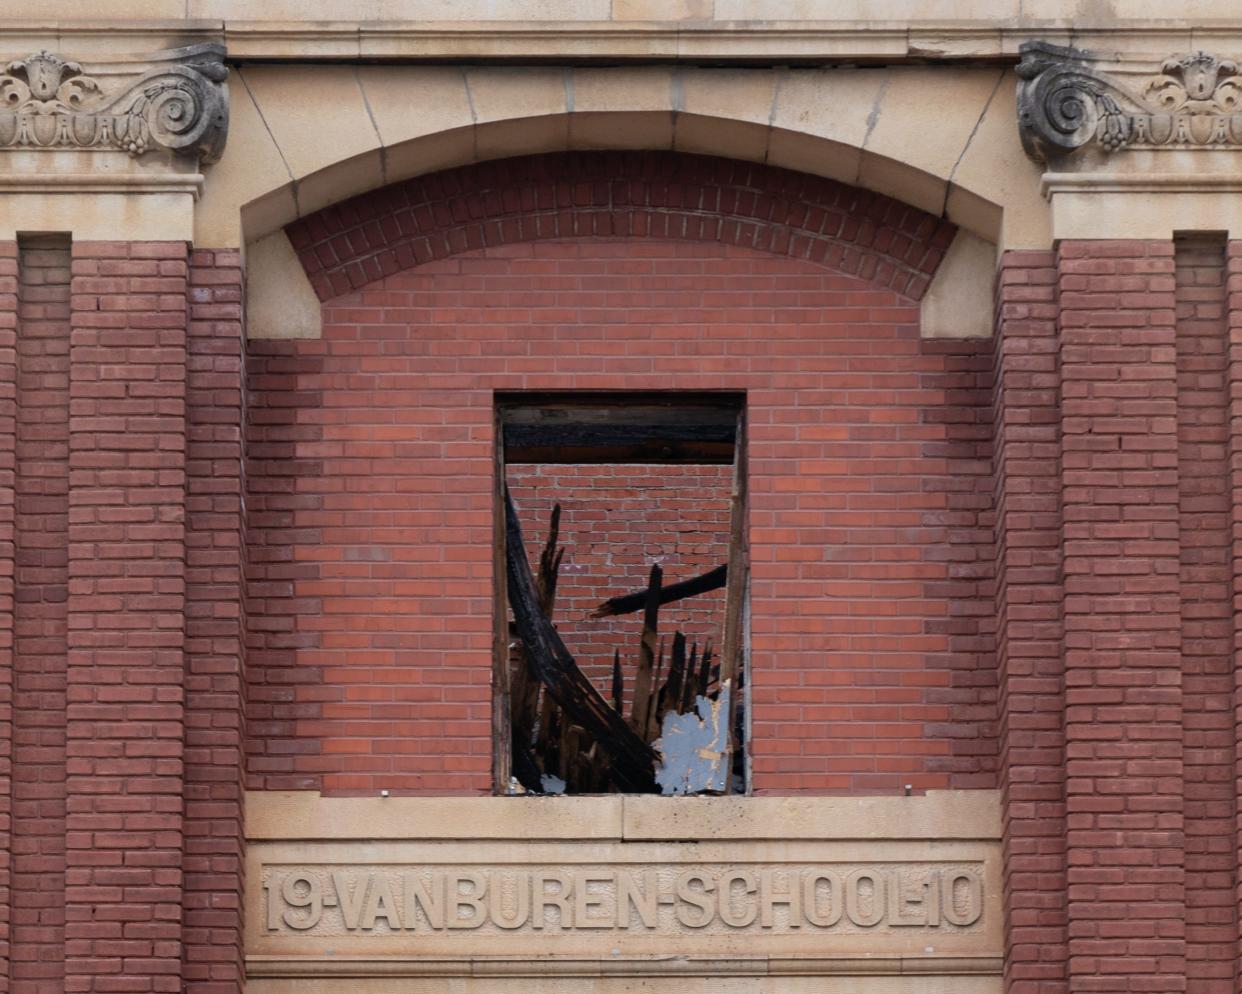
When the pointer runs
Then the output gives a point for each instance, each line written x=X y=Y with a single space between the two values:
x=632 y=760
x=636 y=600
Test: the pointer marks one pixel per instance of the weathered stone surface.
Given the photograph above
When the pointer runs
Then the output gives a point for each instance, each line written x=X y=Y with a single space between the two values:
x=517 y=887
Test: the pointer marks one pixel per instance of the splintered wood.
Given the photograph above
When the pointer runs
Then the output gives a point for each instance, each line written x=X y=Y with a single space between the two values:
x=682 y=732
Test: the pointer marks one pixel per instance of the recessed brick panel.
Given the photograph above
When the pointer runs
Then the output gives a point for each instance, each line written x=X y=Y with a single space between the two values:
x=41 y=561
x=370 y=496
x=126 y=618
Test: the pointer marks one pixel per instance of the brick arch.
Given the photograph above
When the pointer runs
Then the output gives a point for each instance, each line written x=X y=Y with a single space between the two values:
x=665 y=195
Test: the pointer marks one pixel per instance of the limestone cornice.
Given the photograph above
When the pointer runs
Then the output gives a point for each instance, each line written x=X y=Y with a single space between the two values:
x=988 y=37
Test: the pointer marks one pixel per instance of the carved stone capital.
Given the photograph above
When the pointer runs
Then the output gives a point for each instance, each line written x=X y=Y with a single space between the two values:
x=1067 y=101
x=179 y=104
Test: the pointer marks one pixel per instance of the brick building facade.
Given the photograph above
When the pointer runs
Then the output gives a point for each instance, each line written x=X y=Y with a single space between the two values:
x=977 y=299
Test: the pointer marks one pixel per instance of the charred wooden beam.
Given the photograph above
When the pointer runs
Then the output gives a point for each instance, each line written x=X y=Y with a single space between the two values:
x=524 y=692
x=644 y=679
x=690 y=681
x=635 y=600
x=670 y=695
x=632 y=759
x=731 y=661
x=618 y=682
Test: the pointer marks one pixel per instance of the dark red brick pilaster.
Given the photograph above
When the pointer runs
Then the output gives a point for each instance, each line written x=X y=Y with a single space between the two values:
x=126 y=709
x=1233 y=305
x=1207 y=613
x=41 y=490
x=215 y=679
x=8 y=390
x=1028 y=608
x=1124 y=702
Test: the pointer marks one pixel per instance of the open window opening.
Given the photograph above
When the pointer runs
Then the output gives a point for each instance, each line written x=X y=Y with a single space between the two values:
x=621 y=595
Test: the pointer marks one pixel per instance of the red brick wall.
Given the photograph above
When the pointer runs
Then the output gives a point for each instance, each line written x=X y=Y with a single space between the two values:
x=615 y=522
x=370 y=470
x=120 y=773
x=1007 y=563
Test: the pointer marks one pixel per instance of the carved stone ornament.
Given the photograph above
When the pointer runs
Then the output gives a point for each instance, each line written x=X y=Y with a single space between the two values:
x=47 y=102
x=1064 y=103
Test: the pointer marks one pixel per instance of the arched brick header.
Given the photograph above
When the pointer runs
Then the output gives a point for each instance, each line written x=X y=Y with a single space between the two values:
x=621 y=194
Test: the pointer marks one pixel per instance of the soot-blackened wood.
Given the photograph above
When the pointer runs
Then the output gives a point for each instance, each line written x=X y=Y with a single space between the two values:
x=636 y=600
x=502 y=703
x=644 y=679
x=632 y=760
x=731 y=656
x=705 y=671
x=670 y=696
x=550 y=564
x=524 y=690
x=690 y=681
x=579 y=442
x=618 y=682
x=651 y=731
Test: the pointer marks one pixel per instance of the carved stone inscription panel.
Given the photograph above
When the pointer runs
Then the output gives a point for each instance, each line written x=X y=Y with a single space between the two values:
x=918 y=906
x=710 y=899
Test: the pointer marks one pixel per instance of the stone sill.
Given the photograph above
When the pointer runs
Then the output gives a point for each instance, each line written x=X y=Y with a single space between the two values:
x=306 y=815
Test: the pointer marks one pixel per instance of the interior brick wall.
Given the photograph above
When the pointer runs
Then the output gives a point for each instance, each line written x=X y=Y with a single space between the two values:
x=616 y=521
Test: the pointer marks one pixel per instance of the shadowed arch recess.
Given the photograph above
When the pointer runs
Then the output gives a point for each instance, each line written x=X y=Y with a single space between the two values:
x=667 y=195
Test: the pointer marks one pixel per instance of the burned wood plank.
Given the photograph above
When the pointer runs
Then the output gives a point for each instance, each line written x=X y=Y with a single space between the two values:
x=644 y=680
x=689 y=681
x=652 y=729
x=632 y=759
x=524 y=691
x=735 y=597
x=502 y=706
x=618 y=682
x=705 y=671
x=713 y=579
x=550 y=564
x=670 y=694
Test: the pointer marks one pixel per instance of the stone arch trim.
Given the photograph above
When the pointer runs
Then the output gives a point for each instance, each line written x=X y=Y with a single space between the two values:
x=665 y=195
